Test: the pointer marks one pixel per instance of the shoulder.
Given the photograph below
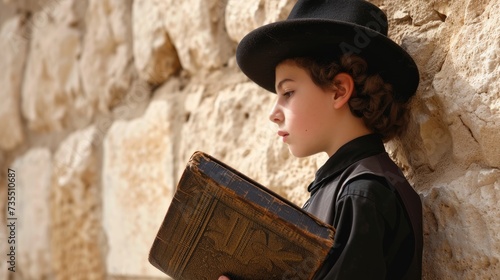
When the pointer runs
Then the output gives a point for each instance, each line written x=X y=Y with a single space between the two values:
x=371 y=188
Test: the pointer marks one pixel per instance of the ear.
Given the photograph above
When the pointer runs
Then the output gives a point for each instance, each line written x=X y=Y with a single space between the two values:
x=344 y=88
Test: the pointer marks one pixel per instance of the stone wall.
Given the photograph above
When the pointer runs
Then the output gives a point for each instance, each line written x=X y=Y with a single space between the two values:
x=104 y=101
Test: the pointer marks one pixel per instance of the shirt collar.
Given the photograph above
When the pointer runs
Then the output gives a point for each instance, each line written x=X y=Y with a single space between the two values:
x=351 y=152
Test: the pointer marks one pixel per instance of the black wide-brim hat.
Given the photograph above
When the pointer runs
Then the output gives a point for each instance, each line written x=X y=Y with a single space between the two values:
x=327 y=29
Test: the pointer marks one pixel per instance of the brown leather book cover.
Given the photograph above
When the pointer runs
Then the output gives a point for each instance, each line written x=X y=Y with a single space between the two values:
x=221 y=222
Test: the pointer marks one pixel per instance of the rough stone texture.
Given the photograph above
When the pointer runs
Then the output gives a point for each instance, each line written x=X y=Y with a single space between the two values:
x=106 y=62
x=154 y=55
x=461 y=225
x=33 y=183
x=471 y=96
x=138 y=185
x=197 y=30
x=14 y=47
x=118 y=174
x=52 y=97
x=244 y=16
x=76 y=236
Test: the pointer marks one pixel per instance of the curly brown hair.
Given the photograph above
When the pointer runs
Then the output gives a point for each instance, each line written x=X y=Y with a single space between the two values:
x=372 y=99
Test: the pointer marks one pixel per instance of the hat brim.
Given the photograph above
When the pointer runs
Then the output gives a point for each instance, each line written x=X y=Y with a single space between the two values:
x=260 y=51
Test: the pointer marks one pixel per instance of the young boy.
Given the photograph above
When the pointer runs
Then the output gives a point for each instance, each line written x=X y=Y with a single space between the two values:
x=342 y=88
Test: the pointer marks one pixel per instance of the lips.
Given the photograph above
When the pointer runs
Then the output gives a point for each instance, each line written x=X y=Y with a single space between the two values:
x=283 y=134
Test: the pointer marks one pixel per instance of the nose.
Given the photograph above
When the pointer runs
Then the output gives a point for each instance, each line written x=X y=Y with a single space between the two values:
x=276 y=114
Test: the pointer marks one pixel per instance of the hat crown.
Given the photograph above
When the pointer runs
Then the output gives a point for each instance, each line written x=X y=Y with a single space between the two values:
x=356 y=12
x=328 y=29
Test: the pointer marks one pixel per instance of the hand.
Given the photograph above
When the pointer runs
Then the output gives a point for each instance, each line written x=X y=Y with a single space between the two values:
x=223 y=278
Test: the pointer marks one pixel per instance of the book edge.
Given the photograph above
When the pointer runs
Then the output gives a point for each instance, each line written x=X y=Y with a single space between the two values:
x=199 y=154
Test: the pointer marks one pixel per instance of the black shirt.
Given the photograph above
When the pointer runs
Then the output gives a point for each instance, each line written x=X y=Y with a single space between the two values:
x=373 y=238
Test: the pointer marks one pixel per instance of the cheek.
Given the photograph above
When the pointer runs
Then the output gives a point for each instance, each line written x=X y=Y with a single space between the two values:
x=303 y=121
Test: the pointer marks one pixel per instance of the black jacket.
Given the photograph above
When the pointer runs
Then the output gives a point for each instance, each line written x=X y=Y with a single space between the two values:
x=375 y=212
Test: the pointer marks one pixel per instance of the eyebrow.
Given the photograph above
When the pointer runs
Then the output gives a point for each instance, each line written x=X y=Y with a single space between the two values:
x=280 y=84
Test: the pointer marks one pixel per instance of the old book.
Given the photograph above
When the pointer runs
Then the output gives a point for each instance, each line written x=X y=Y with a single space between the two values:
x=220 y=222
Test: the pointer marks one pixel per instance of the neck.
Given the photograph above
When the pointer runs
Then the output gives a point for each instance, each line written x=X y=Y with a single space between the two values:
x=351 y=129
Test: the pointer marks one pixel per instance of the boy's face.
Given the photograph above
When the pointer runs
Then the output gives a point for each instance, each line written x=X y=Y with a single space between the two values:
x=303 y=112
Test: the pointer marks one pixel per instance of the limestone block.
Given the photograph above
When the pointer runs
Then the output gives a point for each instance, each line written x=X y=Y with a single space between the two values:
x=32 y=193
x=234 y=127
x=469 y=87
x=52 y=96
x=244 y=16
x=461 y=227
x=436 y=140
x=12 y=64
x=197 y=30
x=137 y=185
x=155 y=57
x=76 y=236
x=106 y=61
